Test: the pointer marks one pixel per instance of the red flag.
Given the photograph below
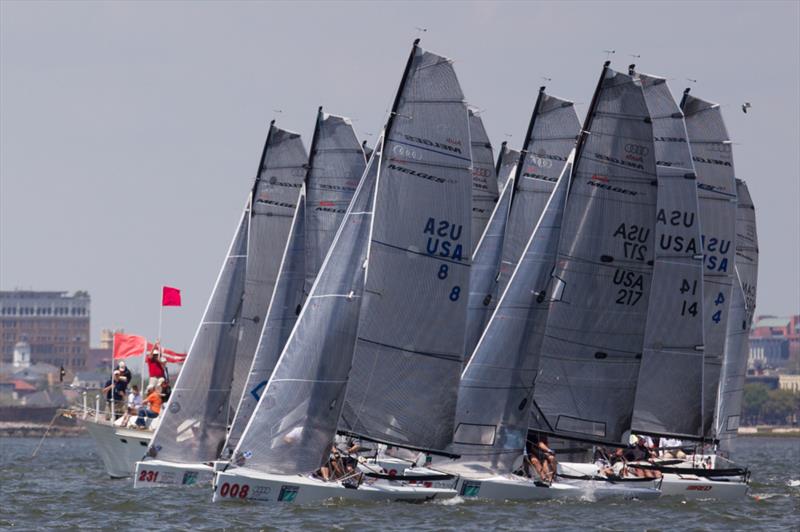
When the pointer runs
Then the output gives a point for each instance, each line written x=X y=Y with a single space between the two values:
x=128 y=345
x=169 y=355
x=170 y=297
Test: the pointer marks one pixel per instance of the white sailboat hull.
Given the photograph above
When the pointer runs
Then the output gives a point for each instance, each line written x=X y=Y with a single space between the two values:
x=151 y=473
x=599 y=489
x=119 y=448
x=513 y=488
x=693 y=487
x=246 y=484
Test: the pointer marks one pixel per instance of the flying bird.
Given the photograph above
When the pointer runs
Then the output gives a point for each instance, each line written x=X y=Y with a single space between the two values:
x=745 y=107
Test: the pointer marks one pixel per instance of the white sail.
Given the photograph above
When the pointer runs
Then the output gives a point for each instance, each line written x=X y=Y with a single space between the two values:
x=484 y=177
x=494 y=398
x=673 y=340
x=595 y=328
x=743 y=307
x=280 y=175
x=284 y=308
x=713 y=161
x=410 y=345
x=295 y=421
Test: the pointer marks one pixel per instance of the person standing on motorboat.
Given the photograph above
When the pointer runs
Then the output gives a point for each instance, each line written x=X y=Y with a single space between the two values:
x=164 y=389
x=156 y=367
x=125 y=375
x=115 y=394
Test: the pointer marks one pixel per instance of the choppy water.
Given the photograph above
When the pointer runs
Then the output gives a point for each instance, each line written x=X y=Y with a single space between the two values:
x=65 y=486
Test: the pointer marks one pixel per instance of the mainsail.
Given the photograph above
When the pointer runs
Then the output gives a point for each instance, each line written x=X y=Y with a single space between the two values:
x=743 y=306
x=494 y=398
x=595 y=328
x=485 y=271
x=280 y=175
x=713 y=161
x=673 y=339
x=294 y=424
x=284 y=307
x=193 y=426
x=552 y=131
x=484 y=177
x=408 y=357
x=336 y=163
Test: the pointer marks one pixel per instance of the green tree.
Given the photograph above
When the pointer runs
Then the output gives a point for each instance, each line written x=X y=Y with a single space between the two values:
x=779 y=405
x=755 y=396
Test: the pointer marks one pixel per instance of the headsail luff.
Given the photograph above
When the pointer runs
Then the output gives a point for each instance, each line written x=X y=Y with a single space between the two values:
x=507 y=160
x=295 y=421
x=713 y=161
x=743 y=306
x=367 y=151
x=494 y=399
x=595 y=329
x=484 y=178
x=281 y=172
x=336 y=164
x=483 y=286
x=407 y=364
x=551 y=135
x=673 y=339
x=193 y=425
x=284 y=308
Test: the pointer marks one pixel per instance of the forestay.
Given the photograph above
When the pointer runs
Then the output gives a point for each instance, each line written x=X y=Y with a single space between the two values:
x=409 y=352
x=494 y=398
x=192 y=427
x=336 y=164
x=743 y=306
x=284 y=307
x=669 y=391
x=595 y=329
x=713 y=161
x=484 y=178
x=552 y=131
x=294 y=424
x=485 y=271
x=280 y=175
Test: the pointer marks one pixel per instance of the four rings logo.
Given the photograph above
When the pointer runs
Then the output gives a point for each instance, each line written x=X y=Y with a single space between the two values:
x=637 y=149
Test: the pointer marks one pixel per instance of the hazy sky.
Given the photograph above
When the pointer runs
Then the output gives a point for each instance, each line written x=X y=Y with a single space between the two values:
x=130 y=132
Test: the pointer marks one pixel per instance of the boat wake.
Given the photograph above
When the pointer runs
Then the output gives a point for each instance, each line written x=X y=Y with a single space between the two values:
x=450 y=502
x=793 y=483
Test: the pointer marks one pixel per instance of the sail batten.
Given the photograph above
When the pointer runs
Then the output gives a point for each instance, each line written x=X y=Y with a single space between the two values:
x=418 y=285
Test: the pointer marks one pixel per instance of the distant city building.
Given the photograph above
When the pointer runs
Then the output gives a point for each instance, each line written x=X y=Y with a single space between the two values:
x=55 y=325
x=789 y=382
x=22 y=355
x=100 y=357
x=775 y=343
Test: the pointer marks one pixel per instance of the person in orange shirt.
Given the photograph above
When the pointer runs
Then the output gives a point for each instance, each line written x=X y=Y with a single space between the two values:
x=152 y=406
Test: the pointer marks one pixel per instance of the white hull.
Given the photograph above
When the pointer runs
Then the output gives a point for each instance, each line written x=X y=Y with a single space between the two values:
x=694 y=487
x=119 y=448
x=161 y=473
x=246 y=484
x=598 y=490
x=513 y=488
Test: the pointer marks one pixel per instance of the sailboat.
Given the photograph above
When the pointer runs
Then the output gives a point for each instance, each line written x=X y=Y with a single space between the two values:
x=193 y=425
x=592 y=346
x=336 y=163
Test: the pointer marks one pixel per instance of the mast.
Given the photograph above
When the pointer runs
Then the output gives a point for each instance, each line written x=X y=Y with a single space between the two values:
x=261 y=162
x=500 y=155
x=587 y=125
x=523 y=153
x=312 y=151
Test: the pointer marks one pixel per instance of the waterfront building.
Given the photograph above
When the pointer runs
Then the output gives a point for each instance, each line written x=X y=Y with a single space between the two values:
x=54 y=325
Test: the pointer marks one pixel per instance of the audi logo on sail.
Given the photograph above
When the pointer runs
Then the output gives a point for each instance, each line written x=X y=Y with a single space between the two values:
x=637 y=149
